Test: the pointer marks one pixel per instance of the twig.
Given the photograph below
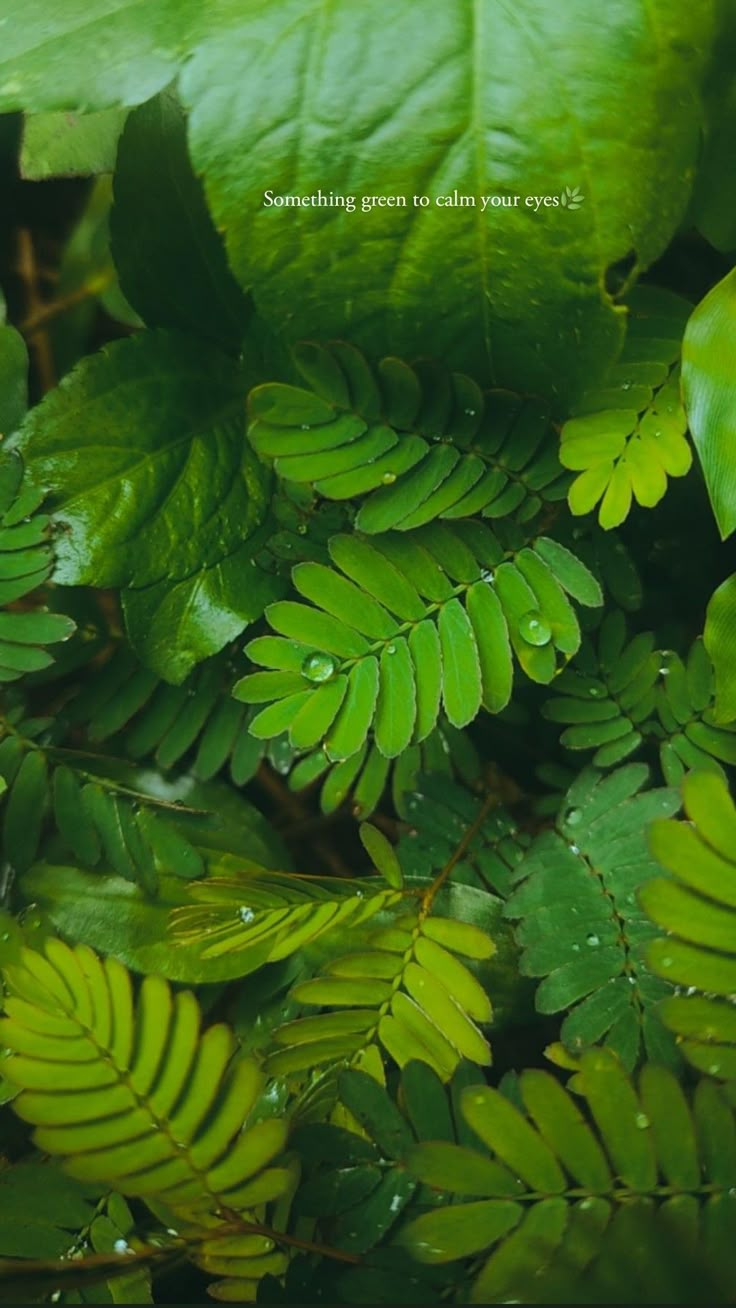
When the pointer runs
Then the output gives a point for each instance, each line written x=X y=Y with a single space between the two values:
x=28 y=271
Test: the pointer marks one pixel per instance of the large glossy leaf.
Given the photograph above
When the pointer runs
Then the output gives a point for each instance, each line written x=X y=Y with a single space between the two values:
x=708 y=372
x=513 y=100
x=169 y=258
x=85 y=56
x=153 y=486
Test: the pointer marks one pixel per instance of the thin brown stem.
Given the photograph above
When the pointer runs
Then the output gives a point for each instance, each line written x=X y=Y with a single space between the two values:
x=40 y=343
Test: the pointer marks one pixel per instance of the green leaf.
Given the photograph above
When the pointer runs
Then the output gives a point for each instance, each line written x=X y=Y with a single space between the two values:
x=461 y=676
x=697 y=909
x=371 y=1106
x=41 y=1209
x=169 y=497
x=81 y=1050
x=175 y=626
x=708 y=362
x=382 y=853
x=404 y=989
x=581 y=928
x=720 y=640
x=506 y=461
x=70 y=145
x=575 y=1167
x=172 y=489
x=429 y=609
x=13 y=379
x=55 y=61
x=395 y=267
x=627 y=435
x=169 y=258
x=569 y=571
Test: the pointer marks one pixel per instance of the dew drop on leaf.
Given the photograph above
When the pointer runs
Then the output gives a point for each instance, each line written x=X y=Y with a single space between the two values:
x=593 y=940
x=533 y=628
x=245 y=914
x=388 y=478
x=319 y=667
x=573 y=816
x=642 y=1121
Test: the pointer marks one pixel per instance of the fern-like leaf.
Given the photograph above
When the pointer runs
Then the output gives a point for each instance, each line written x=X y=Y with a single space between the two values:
x=26 y=562
x=581 y=928
x=403 y=624
x=623 y=692
x=368 y=773
x=697 y=909
x=98 y=819
x=258 y=916
x=420 y=443
x=554 y=1177
x=132 y=1094
x=129 y=707
x=406 y=988
x=441 y=813
x=628 y=436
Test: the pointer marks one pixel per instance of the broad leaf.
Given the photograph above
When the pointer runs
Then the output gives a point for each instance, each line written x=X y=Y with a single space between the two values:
x=153 y=485
x=709 y=385
x=90 y=55
x=456 y=282
x=169 y=258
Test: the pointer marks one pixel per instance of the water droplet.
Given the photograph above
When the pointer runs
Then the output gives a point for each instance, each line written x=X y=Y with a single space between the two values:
x=573 y=816
x=626 y=386
x=388 y=478
x=245 y=914
x=642 y=1121
x=302 y=529
x=574 y=849
x=533 y=628
x=121 y=1247
x=595 y=692
x=305 y=426
x=593 y=940
x=470 y=413
x=666 y=962
x=390 y=649
x=319 y=667
x=714 y=1069
x=575 y=949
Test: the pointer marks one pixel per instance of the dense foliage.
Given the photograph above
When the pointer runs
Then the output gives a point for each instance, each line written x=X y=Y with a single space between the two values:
x=368 y=652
